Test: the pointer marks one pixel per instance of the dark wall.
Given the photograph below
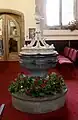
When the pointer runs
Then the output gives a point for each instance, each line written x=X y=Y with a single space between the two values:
x=60 y=44
x=74 y=44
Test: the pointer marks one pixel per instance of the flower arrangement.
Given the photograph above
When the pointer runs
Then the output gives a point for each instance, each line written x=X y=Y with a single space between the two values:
x=38 y=86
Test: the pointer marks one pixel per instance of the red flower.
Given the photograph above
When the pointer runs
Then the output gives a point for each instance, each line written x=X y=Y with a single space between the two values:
x=43 y=85
x=38 y=78
x=45 y=81
x=28 y=92
x=36 y=82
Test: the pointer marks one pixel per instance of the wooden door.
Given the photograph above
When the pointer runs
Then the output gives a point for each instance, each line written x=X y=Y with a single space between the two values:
x=9 y=37
x=12 y=38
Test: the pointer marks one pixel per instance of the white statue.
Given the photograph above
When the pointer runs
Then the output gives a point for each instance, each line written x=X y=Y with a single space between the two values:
x=41 y=47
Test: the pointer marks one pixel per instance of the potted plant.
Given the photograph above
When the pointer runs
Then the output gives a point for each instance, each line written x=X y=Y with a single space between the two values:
x=38 y=94
x=38 y=86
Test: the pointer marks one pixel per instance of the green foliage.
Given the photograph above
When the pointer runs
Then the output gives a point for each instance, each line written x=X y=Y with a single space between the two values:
x=36 y=86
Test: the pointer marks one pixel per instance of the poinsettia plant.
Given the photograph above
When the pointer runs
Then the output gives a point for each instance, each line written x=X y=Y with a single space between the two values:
x=38 y=86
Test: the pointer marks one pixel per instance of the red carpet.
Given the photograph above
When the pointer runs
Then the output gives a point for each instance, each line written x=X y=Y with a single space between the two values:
x=9 y=70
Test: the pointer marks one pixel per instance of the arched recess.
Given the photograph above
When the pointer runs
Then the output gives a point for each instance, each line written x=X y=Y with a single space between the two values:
x=9 y=16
